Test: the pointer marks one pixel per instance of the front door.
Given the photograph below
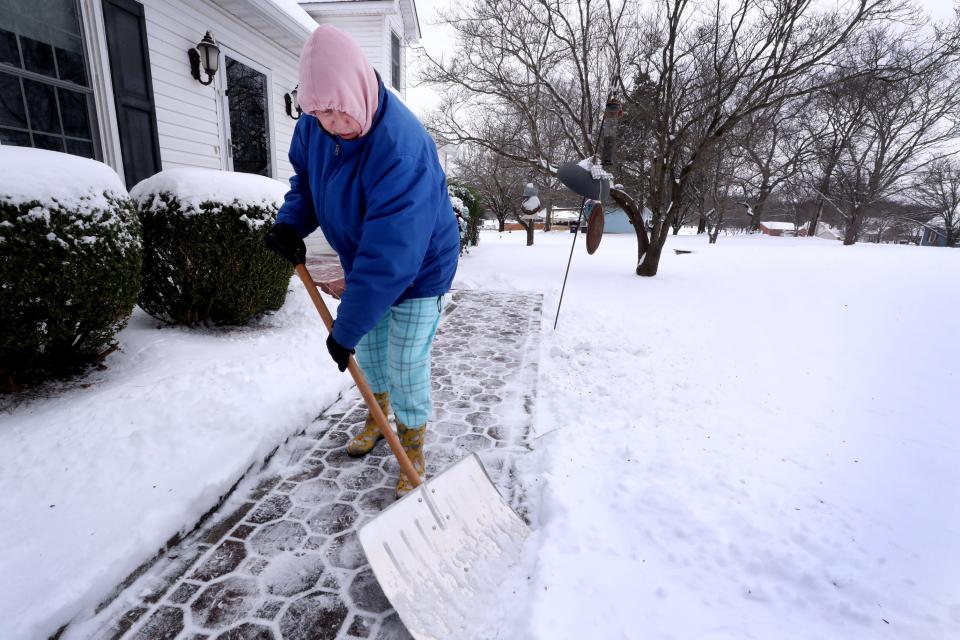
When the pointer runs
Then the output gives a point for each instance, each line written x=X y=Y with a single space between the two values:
x=247 y=118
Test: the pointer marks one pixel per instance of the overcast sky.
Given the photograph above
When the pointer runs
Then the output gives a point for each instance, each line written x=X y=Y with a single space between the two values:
x=439 y=40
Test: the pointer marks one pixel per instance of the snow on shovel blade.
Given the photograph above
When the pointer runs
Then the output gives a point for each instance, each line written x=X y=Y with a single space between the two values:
x=441 y=548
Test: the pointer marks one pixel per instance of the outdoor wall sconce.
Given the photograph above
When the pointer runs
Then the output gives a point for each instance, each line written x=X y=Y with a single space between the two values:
x=290 y=103
x=207 y=55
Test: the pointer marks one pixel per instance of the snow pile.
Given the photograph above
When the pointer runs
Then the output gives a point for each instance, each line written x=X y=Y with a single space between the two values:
x=459 y=206
x=76 y=201
x=53 y=179
x=597 y=172
x=777 y=225
x=207 y=190
x=757 y=443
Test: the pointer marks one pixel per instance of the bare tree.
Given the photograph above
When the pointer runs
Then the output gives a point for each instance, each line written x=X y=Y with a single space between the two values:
x=830 y=121
x=542 y=67
x=936 y=191
x=909 y=115
x=693 y=71
x=499 y=182
x=715 y=64
x=771 y=146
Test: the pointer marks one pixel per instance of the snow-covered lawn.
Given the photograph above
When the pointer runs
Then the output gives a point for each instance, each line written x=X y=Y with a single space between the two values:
x=761 y=442
x=95 y=480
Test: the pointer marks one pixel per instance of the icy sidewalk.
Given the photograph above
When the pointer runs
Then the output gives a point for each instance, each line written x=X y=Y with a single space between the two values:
x=284 y=562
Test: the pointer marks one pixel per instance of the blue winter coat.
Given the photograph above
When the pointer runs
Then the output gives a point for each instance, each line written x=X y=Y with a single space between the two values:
x=382 y=203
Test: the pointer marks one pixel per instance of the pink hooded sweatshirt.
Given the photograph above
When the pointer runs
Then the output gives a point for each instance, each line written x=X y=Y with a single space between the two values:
x=334 y=74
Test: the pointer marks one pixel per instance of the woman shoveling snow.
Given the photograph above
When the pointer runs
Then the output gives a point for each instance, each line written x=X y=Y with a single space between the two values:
x=367 y=173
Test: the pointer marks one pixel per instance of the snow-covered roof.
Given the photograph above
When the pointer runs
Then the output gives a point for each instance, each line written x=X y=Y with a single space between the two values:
x=407 y=9
x=283 y=21
x=564 y=215
x=293 y=9
x=193 y=186
x=781 y=226
x=50 y=177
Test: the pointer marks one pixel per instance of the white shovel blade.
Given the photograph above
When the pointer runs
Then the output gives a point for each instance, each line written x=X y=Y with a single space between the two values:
x=441 y=547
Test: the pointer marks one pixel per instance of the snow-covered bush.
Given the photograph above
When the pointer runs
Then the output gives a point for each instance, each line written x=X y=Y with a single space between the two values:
x=473 y=214
x=69 y=260
x=204 y=258
x=463 y=214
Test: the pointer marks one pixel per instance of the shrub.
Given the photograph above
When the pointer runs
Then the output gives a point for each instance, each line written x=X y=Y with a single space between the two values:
x=204 y=256
x=69 y=261
x=471 y=200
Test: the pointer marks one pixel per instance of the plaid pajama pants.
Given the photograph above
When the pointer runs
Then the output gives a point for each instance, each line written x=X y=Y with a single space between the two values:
x=395 y=357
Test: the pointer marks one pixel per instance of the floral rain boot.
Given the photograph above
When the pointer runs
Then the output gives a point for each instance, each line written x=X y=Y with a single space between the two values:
x=364 y=441
x=412 y=440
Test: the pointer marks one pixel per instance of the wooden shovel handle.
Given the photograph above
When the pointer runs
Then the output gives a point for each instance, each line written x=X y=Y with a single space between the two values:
x=381 y=419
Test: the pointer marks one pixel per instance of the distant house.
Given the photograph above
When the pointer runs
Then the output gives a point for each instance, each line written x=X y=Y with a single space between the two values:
x=775 y=228
x=933 y=237
x=615 y=219
x=827 y=232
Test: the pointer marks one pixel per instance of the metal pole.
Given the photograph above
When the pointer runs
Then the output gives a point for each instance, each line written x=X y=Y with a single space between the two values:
x=607 y=157
x=583 y=203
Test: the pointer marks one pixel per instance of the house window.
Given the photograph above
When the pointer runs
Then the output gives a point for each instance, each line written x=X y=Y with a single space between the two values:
x=395 y=61
x=248 y=118
x=45 y=96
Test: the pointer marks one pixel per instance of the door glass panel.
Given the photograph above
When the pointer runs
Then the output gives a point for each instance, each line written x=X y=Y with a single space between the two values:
x=249 y=128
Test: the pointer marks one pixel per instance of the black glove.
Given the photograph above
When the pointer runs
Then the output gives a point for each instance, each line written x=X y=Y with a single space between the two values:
x=339 y=353
x=287 y=243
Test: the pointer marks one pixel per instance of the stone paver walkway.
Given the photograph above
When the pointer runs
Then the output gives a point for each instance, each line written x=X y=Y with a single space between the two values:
x=286 y=564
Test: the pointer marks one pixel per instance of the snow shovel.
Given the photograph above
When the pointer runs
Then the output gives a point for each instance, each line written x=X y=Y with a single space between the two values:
x=439 y=549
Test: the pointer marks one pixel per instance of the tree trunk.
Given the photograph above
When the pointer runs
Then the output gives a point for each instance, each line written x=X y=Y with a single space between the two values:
x=702 y=225
x=651 y=261
x=853 y=229
x=502 y=223
x=815 y=220
x=548 y=220
x=635 y=215
x=758 y=210
x=530 y=234
x=643 y=243
x=658 y=237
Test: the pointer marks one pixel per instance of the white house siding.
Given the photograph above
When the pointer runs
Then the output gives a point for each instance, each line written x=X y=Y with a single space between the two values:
x=188 y=113
x=367 y=31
